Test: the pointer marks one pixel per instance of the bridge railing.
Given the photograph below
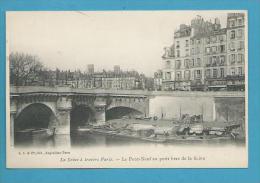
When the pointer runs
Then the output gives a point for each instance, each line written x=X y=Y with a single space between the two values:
x=200 y=93
x=42 y=89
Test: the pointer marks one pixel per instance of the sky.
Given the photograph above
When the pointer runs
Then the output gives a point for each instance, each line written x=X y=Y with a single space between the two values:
x=135 y=40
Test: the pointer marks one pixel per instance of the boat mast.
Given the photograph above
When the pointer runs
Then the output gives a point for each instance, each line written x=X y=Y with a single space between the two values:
x=180 y=111
x=202 y=112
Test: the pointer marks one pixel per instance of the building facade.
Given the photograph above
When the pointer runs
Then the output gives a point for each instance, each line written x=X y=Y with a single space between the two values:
x=158 y=78
x=166 y=77
x=216 y=60
x=182 y=57
x=205 y=56
x=236 y=51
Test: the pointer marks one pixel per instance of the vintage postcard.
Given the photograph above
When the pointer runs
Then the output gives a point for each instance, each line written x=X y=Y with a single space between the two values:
x=127 y=89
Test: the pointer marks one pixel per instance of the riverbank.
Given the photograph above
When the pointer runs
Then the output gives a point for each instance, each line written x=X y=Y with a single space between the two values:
x=165 y=123
x=166 y=131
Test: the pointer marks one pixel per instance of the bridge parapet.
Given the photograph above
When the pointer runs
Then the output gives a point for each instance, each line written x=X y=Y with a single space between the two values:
x=77 y=91
x=199 y=94
x=108 y=92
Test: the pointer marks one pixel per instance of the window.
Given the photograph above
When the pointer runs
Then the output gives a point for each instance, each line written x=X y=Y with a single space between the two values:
x=239 y=71
x=177 y=44
x=178 y=53
x=232 y=34
x=222 y=74
x=214 y=49
x=192 y=62
x=240 y=58
x=232 y=46
x=208 y=73
x=213 y=39
x=221 y=38
x=168 y=75
x=192 y=42
x=239 y=33
x=208 y=40
x=222 y=48
x=232 y=23
x=168 y=64
x=187 y=43
x=240 y=21
x=198 y=41
x=187 y=52
x=240 y=45
x=178 y=64
x=198 y=62
x=215 y=73
x=198 y=50
x=208 y=50
x=178 y=75
x=187 y=75
x=210 y=60
x=197 y=74
x=192 y=51
x=233 y=72
x=214 y=61
x=186 y=63
x=232 y=58
x=222 y=60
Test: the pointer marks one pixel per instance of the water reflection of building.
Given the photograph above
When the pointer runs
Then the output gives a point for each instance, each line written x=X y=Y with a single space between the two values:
x=205 y=56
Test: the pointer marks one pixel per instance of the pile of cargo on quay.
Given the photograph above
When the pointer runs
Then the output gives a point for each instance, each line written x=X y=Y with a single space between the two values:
x=187 y=128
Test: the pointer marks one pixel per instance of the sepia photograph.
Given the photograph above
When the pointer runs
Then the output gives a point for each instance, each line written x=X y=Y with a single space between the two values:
x=127 y=89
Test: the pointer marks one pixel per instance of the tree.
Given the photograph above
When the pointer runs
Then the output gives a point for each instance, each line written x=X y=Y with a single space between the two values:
x=24 y=68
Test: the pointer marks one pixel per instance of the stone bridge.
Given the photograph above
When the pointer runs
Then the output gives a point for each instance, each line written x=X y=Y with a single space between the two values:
x=66 y=108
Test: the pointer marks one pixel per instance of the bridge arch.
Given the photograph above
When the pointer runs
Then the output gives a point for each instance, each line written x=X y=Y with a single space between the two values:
x=81 y=115
x=35 y=115
x=121 y=111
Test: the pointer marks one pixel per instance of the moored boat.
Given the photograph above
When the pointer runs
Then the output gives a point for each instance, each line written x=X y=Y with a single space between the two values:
x=40 y=133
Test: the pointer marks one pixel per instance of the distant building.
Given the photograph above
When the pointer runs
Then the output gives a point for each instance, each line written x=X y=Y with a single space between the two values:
x=158 y=80
x=165 y=78
x=117 y=69
x=91 y=69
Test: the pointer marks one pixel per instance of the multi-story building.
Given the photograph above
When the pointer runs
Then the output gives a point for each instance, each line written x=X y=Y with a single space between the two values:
x=236 y=51
x=158 y=80
x=165 y=79
x=125 y=83
x=200 y=28
x=115 y=80
x=205 y=56
x=182 y=57
x=215 y=58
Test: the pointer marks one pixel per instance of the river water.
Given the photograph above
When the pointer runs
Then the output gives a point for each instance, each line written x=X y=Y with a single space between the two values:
x=99 y=140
